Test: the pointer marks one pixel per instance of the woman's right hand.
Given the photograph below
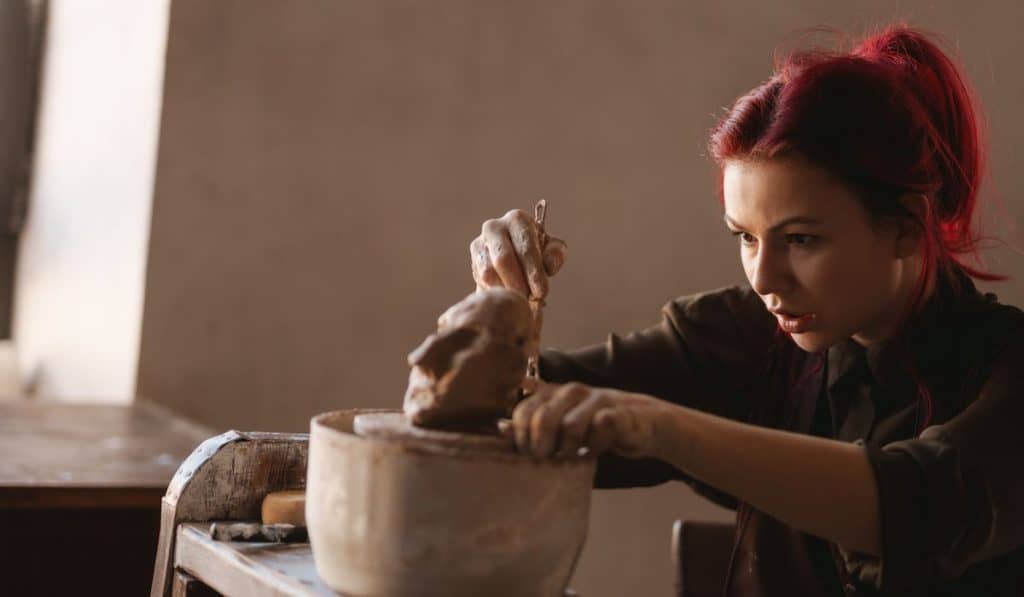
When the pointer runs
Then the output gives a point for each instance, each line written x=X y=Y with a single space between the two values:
x=508 y=253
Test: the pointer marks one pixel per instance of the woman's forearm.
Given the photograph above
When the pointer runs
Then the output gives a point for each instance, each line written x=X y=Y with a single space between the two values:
x=818 y=486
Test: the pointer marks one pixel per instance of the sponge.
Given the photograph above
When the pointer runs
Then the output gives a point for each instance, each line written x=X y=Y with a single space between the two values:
x=285 y=507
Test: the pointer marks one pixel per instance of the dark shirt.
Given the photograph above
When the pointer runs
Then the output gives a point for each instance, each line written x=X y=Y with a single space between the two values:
x=948 y=469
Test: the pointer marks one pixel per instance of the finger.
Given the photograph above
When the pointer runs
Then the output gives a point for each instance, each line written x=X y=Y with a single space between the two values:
x=576 y=423
x=603 y=430
x=546 y=421
x=555 y=253
x=522 y=414
x=480 y=258
x=523 y=232
x=503 y=257
x=477 y=258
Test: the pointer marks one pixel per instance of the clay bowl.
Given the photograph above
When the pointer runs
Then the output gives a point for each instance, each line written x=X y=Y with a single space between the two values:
x=390 y=517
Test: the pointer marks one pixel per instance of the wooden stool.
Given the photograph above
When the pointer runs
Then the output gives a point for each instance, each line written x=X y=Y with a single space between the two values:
x=226 y=478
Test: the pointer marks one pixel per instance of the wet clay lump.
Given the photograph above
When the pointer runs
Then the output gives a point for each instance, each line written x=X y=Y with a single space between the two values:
x=467 y=374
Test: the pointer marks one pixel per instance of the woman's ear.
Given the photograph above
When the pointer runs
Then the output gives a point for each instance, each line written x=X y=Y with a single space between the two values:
x=910 y=229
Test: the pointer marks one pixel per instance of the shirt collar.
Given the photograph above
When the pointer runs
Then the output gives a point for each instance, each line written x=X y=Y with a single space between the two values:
x=929 y=335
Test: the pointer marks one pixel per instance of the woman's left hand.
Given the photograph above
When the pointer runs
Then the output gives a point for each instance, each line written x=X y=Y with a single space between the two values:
x=563 y=418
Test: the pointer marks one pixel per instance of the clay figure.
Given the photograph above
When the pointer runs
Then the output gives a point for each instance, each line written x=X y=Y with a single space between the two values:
x=468 y=373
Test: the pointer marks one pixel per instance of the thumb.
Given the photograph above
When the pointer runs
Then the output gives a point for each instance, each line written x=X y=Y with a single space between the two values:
x=555 y=252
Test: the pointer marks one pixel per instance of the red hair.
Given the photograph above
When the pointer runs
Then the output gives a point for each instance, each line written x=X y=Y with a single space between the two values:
x=893 y=115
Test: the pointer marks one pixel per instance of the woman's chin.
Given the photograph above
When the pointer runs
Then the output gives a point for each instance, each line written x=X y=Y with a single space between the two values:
x=812 y=341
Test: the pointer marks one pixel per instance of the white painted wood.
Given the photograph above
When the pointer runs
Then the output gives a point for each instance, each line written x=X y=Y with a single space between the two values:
x=248 y=569
x=226 y=478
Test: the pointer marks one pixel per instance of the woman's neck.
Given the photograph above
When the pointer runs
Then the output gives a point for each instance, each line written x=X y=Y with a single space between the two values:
x=904 y=304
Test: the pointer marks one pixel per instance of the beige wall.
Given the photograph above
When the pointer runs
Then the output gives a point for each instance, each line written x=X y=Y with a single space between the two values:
x=324 y=165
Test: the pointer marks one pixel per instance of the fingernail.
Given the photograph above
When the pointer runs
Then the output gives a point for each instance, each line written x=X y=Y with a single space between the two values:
x=541 y=286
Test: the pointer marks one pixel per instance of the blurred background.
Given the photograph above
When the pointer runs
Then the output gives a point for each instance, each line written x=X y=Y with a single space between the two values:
x=250 y=211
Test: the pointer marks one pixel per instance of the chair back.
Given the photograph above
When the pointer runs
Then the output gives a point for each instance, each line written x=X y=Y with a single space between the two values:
x=701 y=551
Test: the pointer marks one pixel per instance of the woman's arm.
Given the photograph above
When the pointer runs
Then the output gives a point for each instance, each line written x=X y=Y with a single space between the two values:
x=704 y=354
x=819 y=486
x=909 y=514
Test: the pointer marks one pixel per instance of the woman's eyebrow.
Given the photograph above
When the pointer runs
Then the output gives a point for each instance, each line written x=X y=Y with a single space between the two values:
x=793 y=220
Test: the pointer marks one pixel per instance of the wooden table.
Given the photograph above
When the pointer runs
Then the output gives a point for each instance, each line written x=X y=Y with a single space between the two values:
x=80 y=491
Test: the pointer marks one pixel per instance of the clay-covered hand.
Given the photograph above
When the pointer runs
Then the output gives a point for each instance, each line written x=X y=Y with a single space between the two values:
x=508 y=254
x=560 y=419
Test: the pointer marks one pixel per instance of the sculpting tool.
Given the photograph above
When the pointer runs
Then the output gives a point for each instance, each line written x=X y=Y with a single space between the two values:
x=537 y=303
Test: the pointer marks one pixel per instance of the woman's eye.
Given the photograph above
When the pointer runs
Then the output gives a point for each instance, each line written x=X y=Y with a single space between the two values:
x=801 y=240
x=745 y=238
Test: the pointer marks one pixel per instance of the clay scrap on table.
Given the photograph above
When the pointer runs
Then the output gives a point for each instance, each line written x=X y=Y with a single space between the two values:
x=468 y=373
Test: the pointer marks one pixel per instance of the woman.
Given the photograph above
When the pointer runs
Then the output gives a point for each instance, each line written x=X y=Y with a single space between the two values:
x=858 y=403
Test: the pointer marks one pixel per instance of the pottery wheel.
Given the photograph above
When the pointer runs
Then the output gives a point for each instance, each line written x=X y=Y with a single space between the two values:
x=394 y=426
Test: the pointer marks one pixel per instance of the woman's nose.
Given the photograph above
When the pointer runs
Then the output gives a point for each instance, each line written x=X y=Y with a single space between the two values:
x=768 y=272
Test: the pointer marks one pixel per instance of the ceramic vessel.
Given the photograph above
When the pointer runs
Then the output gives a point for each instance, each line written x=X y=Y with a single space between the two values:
x=389 y=517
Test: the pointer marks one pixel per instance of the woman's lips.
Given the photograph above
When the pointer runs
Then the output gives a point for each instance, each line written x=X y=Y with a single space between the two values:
x=796 y=324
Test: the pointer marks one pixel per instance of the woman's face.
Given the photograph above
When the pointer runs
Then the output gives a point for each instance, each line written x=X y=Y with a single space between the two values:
x=812 y=252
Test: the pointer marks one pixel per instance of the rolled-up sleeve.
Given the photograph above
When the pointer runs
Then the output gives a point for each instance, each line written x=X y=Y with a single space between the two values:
x=954 y=496
x=704 y=353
